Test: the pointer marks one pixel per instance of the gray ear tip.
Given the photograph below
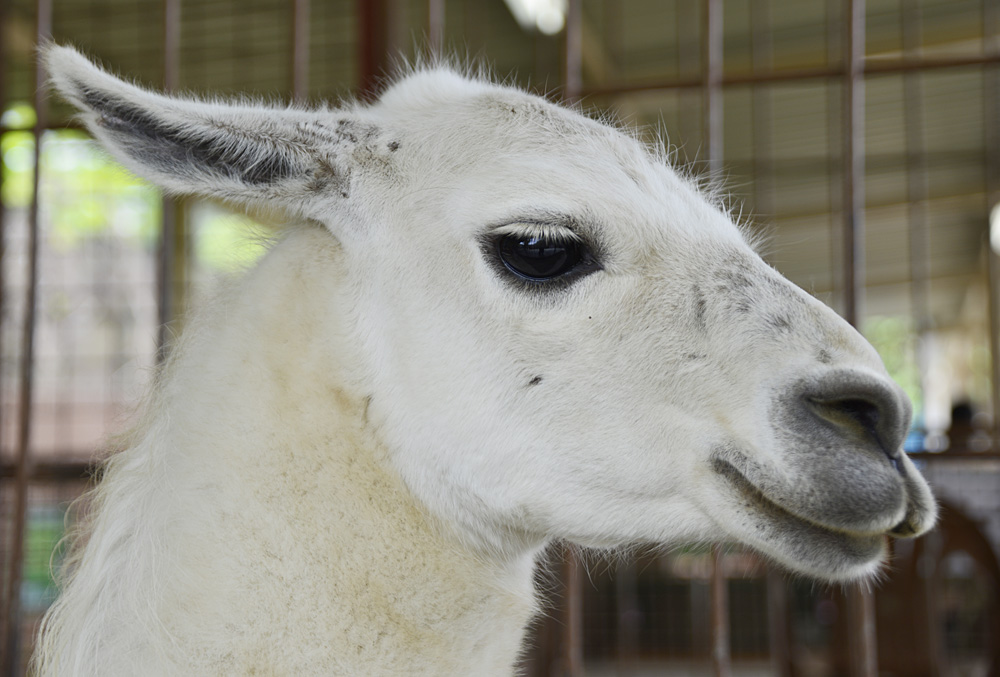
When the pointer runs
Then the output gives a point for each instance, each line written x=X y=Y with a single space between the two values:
x=60 y=58
x=66 y=67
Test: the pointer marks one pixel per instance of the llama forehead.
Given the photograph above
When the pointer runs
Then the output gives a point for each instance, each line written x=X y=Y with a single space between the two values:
x=518 y=153
x=497 y=118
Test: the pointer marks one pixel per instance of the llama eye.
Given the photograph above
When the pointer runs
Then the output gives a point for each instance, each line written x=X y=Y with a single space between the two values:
x=539 y=258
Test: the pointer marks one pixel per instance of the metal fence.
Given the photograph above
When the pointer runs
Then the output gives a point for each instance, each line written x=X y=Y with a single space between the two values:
x=87 y=311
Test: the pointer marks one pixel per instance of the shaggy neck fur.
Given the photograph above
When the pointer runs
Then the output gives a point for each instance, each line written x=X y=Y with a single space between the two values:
x=255 y=526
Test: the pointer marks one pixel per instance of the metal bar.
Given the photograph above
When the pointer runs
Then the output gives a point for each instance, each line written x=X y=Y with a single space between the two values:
x=928 y=568
x=853 y=125
x=916 y=188
x=834 y=39
x=572 y=649
x=300 y=50
x=761 y=51
x=373 y=45
x=687 y=18
x=719 y=599
x=54 y=470
x=73 y=470
x=3 y=240
x=778 y=627
x=712 y=134
x=762 y=57
x=435 y=25
x=861 y=638
x=861 y=602
x=627 y=617
x=871 y=67
x=573 y=53
x=712 y=83
x=991 y=119
x=43 y=29
x=167 y=254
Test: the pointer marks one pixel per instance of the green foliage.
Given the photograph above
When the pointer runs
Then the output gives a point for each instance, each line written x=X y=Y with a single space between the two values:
x=19 y=115
x=18 y=152
x=44 y=530
x=85 y=195
x=896 y=343
x=226 y=242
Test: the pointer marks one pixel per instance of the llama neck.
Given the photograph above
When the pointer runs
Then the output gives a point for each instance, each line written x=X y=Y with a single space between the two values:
x=330 y=560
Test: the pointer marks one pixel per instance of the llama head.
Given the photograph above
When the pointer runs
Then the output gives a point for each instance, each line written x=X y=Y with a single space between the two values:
x=558 y=334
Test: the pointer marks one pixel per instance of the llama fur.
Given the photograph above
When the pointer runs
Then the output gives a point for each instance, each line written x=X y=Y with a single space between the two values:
x=354 y=458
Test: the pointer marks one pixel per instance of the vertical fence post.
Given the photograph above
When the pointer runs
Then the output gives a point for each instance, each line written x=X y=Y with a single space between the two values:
x=12 y=652
x=860 y=601
x=300 y=50
x=435 y=26
x=573 y=52
x=916 y=175
x=627 y=617
x=572 y=648
x=572 y=645
x=854 y=159
x=991 y=118
x=166 y=273
x=3 y=258
x=373 y=45
x=712 y=132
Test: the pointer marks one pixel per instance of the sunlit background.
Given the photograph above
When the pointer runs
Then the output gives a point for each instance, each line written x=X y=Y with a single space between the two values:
x=114 y=259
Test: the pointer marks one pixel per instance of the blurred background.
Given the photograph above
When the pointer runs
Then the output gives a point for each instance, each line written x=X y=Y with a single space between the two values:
x=860 y=137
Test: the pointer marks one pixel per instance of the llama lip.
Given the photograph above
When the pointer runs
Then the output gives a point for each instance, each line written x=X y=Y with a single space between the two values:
x=796 y=532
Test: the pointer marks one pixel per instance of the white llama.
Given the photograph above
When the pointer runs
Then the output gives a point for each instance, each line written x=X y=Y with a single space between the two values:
x=500 y=323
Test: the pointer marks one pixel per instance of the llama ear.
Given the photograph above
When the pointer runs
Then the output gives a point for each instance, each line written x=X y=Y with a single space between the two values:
x=241 y=153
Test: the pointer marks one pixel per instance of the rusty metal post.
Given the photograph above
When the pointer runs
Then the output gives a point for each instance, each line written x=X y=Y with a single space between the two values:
x=861 y=640
x=916 y=189
x=854 y=159
x=991 y=85
x=627 y=617
x=373 y=45
x=711 y=45
x=763 y=173
x=879 y=67
x=916 y=174
x=3 y=239
x=927 y=569
x=300 y=50
x=712 y=134
x=12 y=653
x=435 y=26
x=167 y=254
x=572 y=648
x=719 y=596
x=762 y=61
x=572 y=645
x=860 y=601
x=573 y=52
x=778 y=626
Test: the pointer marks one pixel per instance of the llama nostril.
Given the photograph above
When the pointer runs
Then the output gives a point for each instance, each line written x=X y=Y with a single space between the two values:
x=854 y=411
x=862 y=417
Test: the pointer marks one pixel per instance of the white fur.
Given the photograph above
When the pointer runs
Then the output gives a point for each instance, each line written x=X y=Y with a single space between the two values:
x=353 y=460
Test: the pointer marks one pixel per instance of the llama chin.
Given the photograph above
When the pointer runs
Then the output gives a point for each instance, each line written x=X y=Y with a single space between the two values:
x=498 y=323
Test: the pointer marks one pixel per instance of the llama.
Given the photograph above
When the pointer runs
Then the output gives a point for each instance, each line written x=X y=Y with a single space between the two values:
x=498 y=323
